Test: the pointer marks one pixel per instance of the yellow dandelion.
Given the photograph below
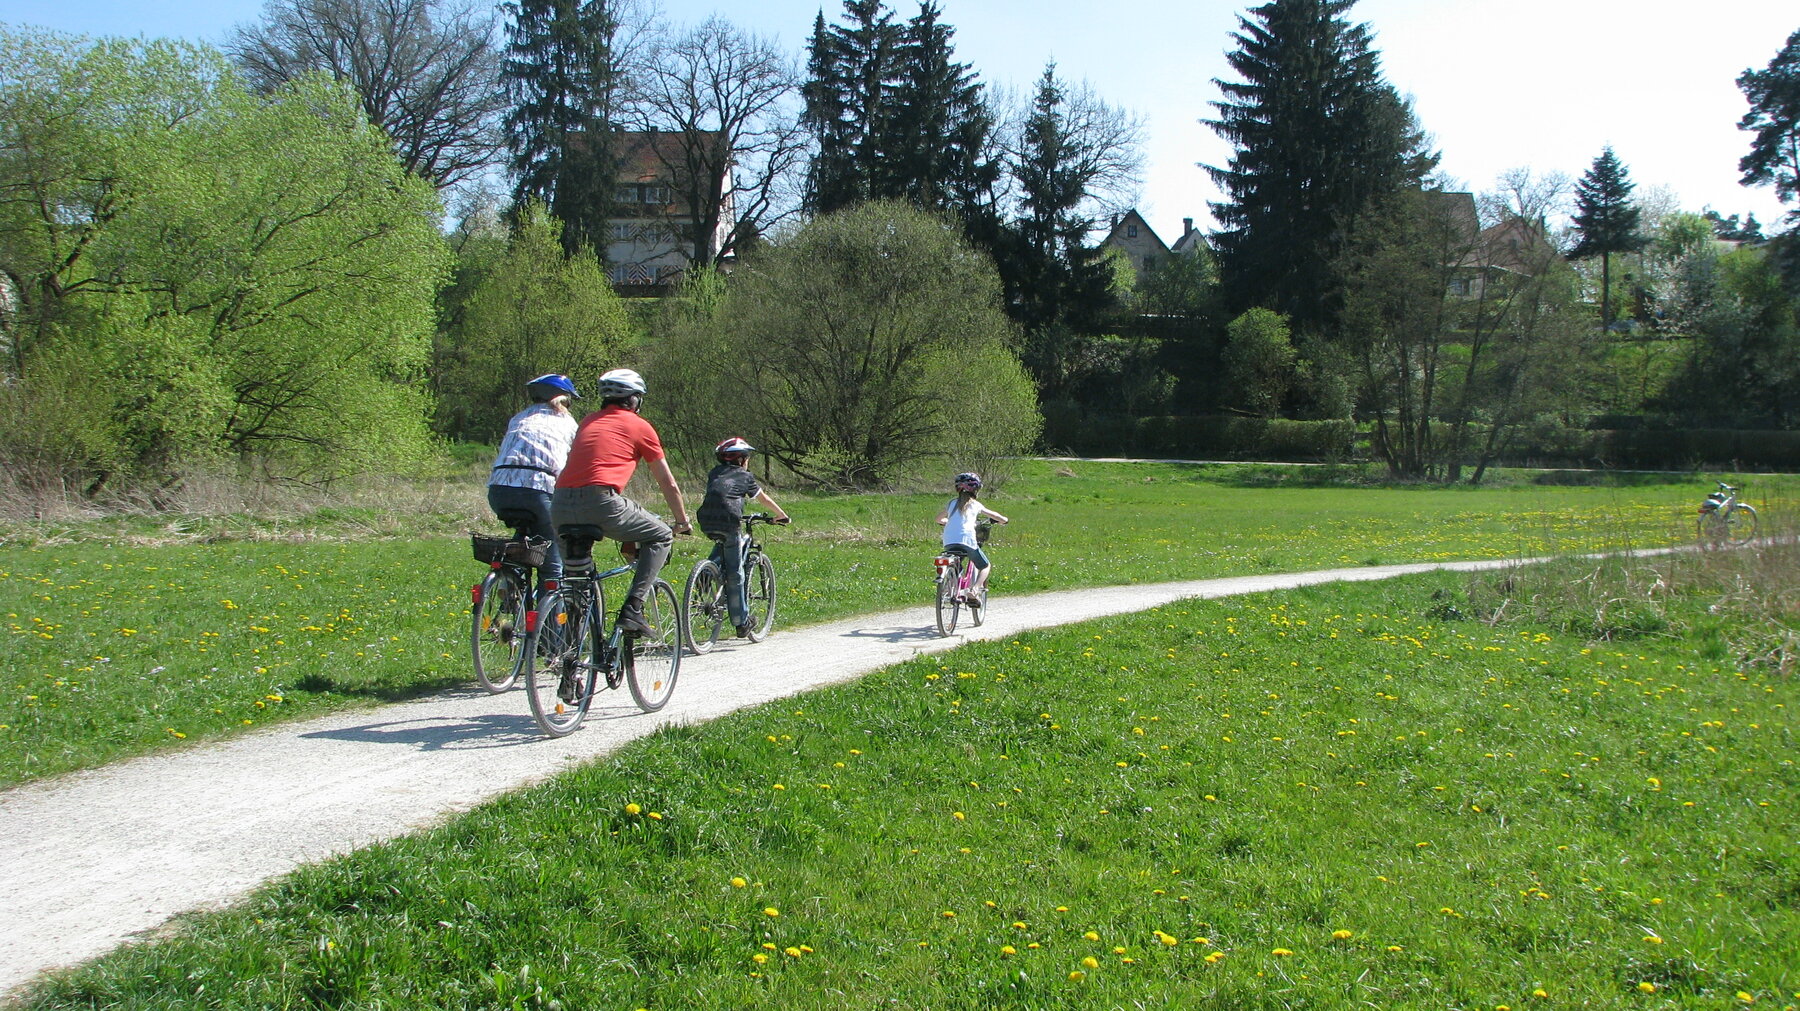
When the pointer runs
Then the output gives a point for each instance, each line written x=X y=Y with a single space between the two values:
x=1091 y=935
x=1395 y=947
x=1652 y=939
x=948 y=914
x=1746 y=998
x=958 y=815
x=1540 y=993
x=1646 y=987
x=1076 y=975
x=759 y=958
x=656 y=816
x=1214 y=956
x=1120 y=950
x=739 y=883
x=1091 y=962
x=1062 y=909
x=771 y=911
x=1281 y=952
x=1167 y=939
x=791 y=952
x=1018 y=924
x=1341 y=935
x=1007 y=949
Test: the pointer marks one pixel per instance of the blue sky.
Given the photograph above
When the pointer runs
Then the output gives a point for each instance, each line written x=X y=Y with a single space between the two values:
x=1498 y=83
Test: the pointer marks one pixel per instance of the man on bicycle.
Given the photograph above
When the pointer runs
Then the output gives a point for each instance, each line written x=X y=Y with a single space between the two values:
x=608 y=446
x=721 y=518
x=531 y=456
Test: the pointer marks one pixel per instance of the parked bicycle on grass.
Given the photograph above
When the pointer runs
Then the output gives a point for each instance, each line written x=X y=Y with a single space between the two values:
x=1724 y=519
x=574 y=654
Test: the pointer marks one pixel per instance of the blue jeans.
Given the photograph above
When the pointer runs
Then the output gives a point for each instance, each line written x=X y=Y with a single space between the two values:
x=728 y=553
x=503 y=498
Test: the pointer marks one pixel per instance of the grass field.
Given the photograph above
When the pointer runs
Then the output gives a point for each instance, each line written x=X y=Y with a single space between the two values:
x=139 y=633
x=1436 y=792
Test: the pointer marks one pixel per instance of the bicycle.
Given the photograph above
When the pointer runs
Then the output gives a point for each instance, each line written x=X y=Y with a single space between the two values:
x=1725 y=520
x=955 y=581
x=503 y=604
x=572 y=649
x=703 y=596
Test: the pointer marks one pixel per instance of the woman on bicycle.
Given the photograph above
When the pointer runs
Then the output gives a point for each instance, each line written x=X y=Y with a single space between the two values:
x=721 y=517
x=532 y=454
x=958 y=520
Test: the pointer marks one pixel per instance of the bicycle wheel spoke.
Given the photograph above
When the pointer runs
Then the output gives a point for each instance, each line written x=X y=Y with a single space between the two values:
x=759 y=593
x=654 y=660
x=497 y=633
x=559 y=680
x=704 y=600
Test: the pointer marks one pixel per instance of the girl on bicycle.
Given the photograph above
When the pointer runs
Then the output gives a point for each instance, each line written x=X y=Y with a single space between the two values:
x=721 y=517
x=958 y=520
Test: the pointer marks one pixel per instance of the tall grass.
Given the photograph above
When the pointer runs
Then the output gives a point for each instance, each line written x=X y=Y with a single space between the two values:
x=1425 y=793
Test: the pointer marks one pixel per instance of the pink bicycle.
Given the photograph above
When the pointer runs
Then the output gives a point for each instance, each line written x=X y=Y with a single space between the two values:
x=955 y=584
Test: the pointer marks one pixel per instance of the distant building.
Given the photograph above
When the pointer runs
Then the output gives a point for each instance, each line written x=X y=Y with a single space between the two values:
x=1485 y=257
x=652 y=232
x=1134 y=237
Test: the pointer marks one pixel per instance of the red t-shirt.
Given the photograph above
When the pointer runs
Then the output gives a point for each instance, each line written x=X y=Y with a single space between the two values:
x=607 y=448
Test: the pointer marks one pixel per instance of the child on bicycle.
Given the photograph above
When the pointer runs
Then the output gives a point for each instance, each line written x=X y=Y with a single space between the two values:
x=721 y=517
x=958 y=520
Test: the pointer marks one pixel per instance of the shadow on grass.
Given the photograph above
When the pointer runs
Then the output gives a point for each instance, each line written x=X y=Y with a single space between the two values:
x=325 y=684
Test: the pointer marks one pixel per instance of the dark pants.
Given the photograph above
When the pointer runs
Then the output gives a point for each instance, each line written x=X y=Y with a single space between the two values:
x=502 y=498
x=622 y=520
x=728 y=552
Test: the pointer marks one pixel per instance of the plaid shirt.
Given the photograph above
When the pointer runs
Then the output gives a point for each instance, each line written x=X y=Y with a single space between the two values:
x=534 y=449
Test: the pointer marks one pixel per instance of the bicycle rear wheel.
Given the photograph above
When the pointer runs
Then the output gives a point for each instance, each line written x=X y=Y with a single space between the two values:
x=1740 y=525
x=560 y=678
x=653 y=660
x=759 y=594
x=949 y=579
x=703 y=603
x=497 y=634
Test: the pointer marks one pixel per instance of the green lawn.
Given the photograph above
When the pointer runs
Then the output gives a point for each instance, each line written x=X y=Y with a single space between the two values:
x=133 y=635
x=1344 y=796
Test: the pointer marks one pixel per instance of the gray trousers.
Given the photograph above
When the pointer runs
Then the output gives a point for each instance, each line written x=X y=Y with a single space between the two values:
x=622 y=520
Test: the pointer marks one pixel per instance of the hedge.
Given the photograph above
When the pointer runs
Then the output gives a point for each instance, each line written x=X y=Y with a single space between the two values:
x=1190 y=437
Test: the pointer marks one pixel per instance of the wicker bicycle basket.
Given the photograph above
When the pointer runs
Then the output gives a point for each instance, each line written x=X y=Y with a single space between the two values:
x=489 y=550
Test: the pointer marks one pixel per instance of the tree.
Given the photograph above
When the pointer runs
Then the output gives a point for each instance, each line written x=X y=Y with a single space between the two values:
x=534 y=310
x=284 y=316
x=942 y=154
x=868 y=347
x=718 y=101
x=1318 y=135
x=1072 y=147
x=1774 y=118
x=1606 y=220
x=565 y=66
x=852 y=73
x=1259 y=361
x=1746 y=370
x=427 y=72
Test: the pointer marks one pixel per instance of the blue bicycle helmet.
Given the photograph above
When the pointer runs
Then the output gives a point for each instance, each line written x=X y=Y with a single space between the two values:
x=548 y=387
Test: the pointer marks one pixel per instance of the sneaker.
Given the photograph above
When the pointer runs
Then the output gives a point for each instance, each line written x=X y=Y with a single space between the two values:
x=631 y=619
x=975 y=600
x=743 y=631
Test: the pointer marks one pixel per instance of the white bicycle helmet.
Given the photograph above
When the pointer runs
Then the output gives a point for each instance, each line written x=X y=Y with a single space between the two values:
x=620 y=383
x=733 y=446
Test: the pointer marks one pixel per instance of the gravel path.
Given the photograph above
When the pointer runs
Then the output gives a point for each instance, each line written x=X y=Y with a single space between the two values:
x=98 y=858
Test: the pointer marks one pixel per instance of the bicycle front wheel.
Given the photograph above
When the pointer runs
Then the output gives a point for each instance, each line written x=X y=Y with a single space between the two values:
x=703 y=602
x=560 y=678
x=654 y=658
x=497 y=637
x=949 y=579
x=759 y=594
x=1740 y=526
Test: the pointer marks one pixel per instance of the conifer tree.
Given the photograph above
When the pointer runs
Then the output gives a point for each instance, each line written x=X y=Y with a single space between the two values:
x=942 y=128
x=564 y=75
x=1606 y=220
x=852 y=73
x=1318 y=135
x=1774 y=117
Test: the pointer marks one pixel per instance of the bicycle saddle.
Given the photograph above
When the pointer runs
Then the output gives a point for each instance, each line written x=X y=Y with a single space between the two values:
x=518 y=519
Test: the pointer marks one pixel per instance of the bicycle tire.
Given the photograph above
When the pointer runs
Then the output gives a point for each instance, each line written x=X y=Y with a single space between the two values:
x=498 y=632
x=654 y=660
x=703 y=604
x=949 y=578
x=759 y=594
x=1740 y=525
x=561 y=675
x=977 y=615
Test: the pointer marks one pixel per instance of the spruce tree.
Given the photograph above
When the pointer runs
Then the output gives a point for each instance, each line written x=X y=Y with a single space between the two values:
x=561 y=69
x=852 y=73
x=941 y=129
x=1606 y=221
x=1318 y=135
x=1057 y=281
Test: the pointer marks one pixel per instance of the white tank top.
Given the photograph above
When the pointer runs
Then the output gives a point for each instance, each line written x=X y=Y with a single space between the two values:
x=960 y=529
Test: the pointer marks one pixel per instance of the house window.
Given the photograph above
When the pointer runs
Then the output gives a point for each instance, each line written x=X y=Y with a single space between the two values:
x=623 y=231
x=656 y=194
x=1461 y=286
x=1131 y=231
x=625 y=194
